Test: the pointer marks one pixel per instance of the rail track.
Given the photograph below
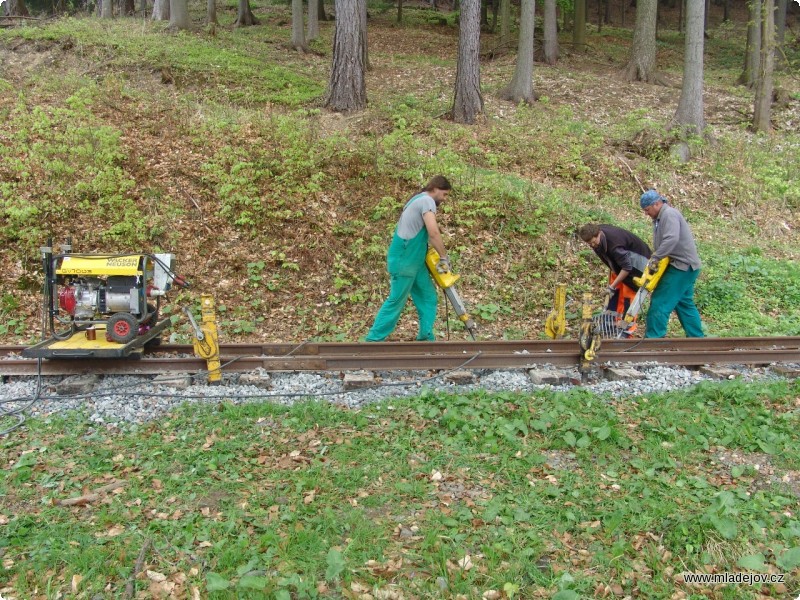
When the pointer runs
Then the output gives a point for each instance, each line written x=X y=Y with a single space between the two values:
x=392 y=356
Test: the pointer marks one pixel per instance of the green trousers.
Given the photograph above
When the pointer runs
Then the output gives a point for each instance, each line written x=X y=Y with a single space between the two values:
x=409 y=277
x=423 y=295
x=675 y=292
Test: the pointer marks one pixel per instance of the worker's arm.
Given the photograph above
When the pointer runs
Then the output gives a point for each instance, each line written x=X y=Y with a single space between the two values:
x=434 y=235
x=670 y=235
x=620 y=278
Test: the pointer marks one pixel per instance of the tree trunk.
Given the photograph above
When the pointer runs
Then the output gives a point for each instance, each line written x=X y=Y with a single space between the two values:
x=399 y=11
x=752 y=53
x=161 y=10
x=642 y=62
x=505 y=22
x=726 y=10
x=321 y=10
x=550 y=32
x=690 y=115
x=347 y=90
x=521 y=87
x=245 y=16
x=762 y=112
x=211 y=15
x=579 y=26
x=129 y=7
x=298 y=41
x=107 y=9
x=312 y=28
x=179 y=14
x=780 y=33
x=468 y=102
x=17 y=8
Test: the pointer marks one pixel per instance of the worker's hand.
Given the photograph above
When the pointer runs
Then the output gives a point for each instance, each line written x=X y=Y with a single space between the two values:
x=610 y=291
x=653 y=265
x=443 y=266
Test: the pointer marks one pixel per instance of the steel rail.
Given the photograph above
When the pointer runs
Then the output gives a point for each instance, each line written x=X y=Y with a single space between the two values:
x=389 y=356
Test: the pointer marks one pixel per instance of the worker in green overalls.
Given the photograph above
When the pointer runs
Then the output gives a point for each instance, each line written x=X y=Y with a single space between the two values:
x=416 y=229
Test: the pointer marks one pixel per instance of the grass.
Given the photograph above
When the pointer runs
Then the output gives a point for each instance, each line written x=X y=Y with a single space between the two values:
x=439 y=496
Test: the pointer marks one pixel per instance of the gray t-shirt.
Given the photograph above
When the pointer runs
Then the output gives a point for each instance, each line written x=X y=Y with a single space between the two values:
x=411 y=222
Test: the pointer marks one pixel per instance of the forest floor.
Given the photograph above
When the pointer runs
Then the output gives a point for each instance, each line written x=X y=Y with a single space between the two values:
x=290 y=236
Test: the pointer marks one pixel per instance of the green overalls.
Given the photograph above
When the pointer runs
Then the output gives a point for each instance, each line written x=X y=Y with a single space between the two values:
x=409 y=276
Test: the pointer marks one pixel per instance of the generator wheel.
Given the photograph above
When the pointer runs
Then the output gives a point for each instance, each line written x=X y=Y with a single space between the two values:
x=122 y=328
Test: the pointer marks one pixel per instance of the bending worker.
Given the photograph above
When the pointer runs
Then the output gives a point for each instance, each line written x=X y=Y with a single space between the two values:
x=623 y=252
x=416 y=229
x=672 y=238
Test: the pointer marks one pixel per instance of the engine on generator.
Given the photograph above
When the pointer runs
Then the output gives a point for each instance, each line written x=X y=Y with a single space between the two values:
x=121 y=291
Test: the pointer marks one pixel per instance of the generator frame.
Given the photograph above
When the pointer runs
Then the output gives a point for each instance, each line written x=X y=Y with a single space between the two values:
x=102 y=323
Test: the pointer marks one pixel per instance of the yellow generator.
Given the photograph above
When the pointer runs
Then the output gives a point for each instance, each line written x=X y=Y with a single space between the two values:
x=102 y=305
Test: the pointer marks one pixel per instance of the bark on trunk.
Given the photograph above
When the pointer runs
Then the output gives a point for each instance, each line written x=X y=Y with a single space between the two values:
x=129 y=7
x=780 y=33
x=107 y=9
x=752 y=53
x=579 y=26
x=312 y=29
x=211 y=15
x=17 y=8
x=642 y=62
x=550 y=32
x=179 y=14
x=690 y=115
x=347 y=90
x=468 y=102
x=762 y=112
x=161 y=10
x=245 y=16
x=521 y=87
x=298 y=33
x=399 y=11
x=505 y=22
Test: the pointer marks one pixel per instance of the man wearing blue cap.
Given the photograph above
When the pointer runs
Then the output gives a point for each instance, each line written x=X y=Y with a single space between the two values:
x=672 y=238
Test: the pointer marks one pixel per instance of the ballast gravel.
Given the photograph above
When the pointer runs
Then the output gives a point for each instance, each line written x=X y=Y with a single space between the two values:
x=129 y=400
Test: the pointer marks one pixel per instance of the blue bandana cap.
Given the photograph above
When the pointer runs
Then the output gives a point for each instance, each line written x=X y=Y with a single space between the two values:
x=649 y=198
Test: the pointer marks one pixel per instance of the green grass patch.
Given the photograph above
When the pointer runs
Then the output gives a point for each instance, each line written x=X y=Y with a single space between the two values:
x=458 y=494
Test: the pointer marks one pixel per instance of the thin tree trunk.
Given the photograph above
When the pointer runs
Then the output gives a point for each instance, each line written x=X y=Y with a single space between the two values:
x=211 y=15
x=312 y=28
x=550 y=32
x=752 y=53
x=467 y=101
x=762 y=112
x=579 y=26
x=780 y=33
x=690 y=114
x=399 y=11
x=107 y=9
x=521 y=87
x=505 y=22
x=347 y=90
x=298 y=41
